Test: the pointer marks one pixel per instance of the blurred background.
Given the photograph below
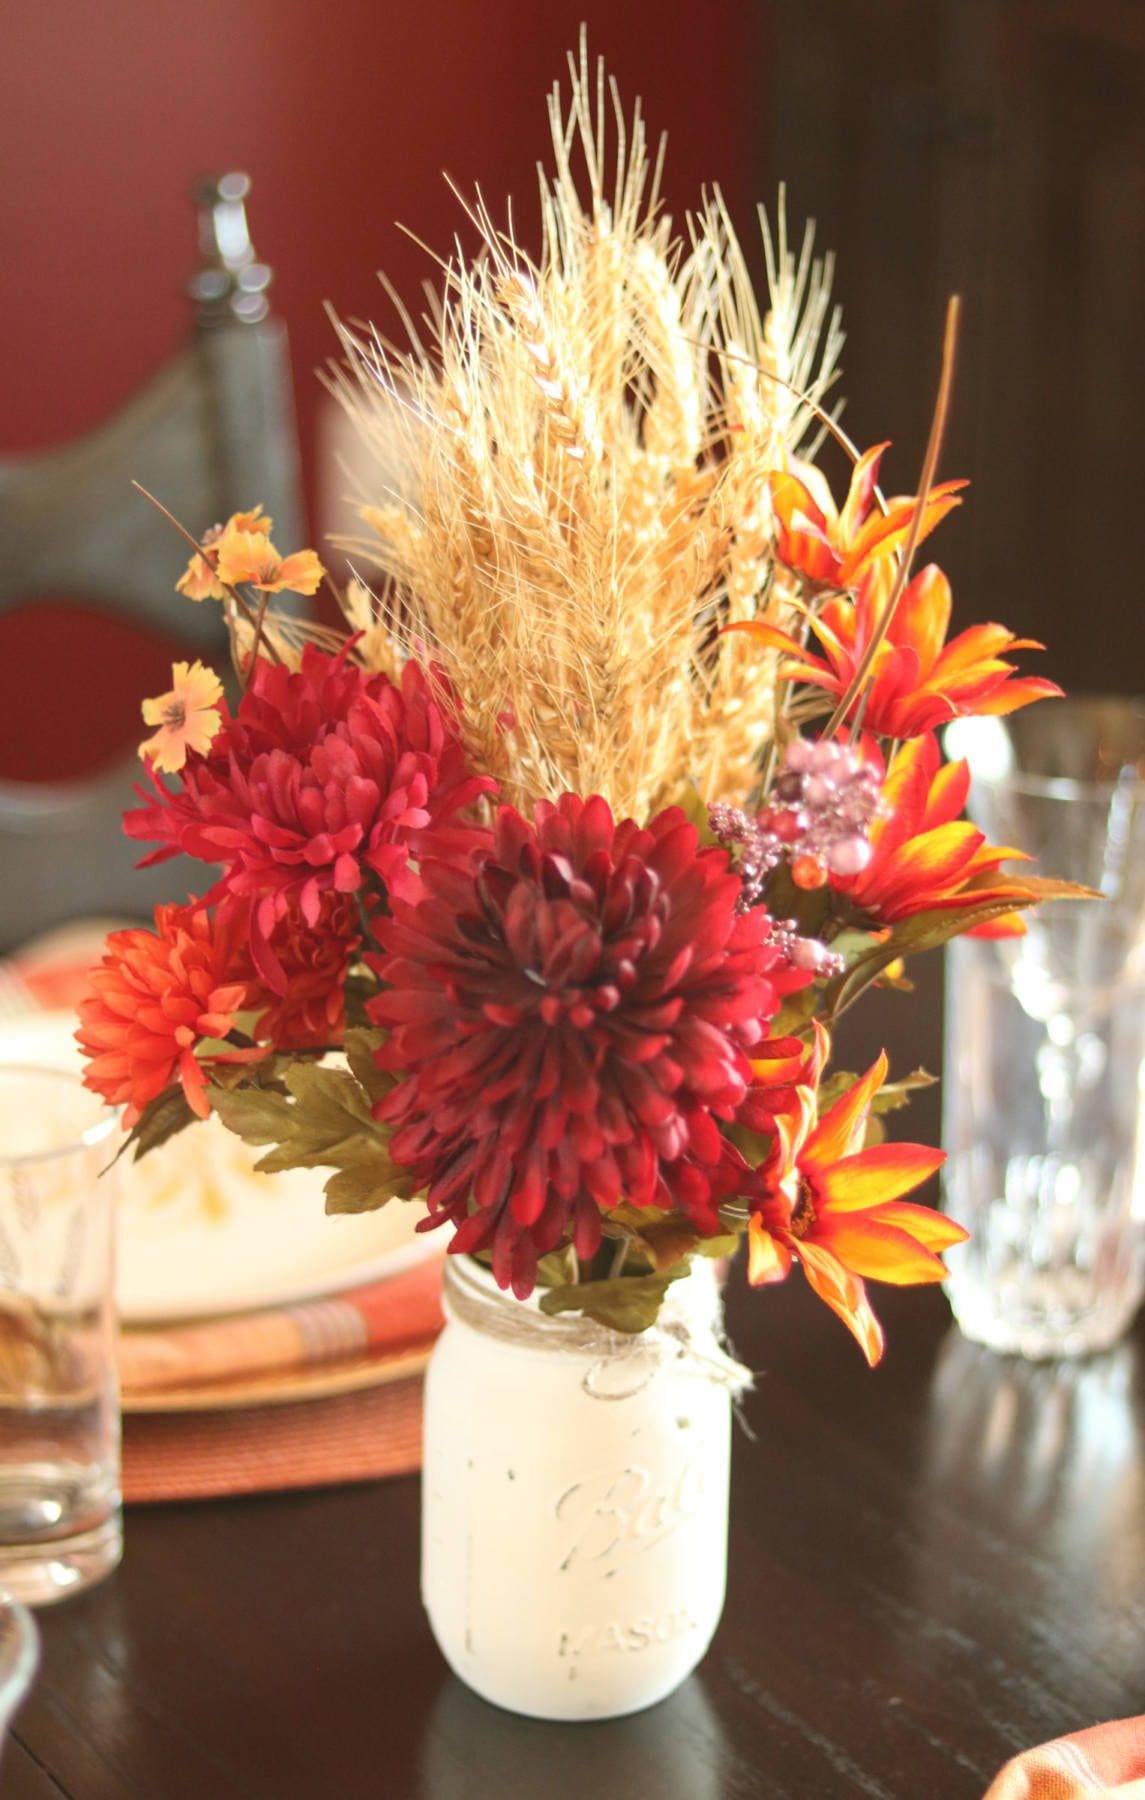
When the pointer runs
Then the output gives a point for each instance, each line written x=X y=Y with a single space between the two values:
x=996 y=147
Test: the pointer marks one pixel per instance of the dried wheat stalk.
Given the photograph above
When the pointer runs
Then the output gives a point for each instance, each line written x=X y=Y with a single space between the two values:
x=584 y=450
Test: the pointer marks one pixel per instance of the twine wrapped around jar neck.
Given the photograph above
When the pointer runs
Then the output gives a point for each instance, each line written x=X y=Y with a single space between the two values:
x=688 y=1327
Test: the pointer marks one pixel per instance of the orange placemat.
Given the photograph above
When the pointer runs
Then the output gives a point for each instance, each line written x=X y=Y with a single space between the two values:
x=314 y=1443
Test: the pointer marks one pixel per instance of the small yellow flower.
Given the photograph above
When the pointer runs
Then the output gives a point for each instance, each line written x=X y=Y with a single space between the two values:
x=249 y=558
x=199 y=581
x=188 y=717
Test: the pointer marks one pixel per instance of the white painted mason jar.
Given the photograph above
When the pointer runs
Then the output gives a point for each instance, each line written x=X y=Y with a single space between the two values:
x=575 y=1497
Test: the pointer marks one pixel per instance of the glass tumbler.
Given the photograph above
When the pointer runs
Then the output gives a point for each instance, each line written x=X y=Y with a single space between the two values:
x=60 y=1522
x=19 y=1658
x=1045 y=1040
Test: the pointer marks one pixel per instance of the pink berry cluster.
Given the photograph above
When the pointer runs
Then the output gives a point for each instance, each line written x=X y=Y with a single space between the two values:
x=818 y=813
x=807 y=953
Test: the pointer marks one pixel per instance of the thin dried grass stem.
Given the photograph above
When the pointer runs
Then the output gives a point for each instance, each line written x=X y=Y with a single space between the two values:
x=929 y=466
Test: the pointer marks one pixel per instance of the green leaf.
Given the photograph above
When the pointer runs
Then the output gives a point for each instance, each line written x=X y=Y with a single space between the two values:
x=896 y=1094
x=832 y=1087
x=1046 y=887
x=629 y=1303
x=360 y=1046
x=326 y=1125
x=324 y=1121
x=809 y=907
x=725 y=1245
x=160 y=1120
x=359 y=989
x=253 y=1114
x=695 y=808
x=922 y=931
x=753 y=1146
x=558 y=1268
x=365 y=1187
x=797 y=1011
x=851 y=944
x=666 y=1242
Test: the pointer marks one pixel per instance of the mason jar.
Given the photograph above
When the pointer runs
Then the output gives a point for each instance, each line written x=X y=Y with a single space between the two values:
x=575 y=1497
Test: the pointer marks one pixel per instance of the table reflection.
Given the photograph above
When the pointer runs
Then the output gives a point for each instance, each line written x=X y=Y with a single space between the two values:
x=1049 y=1451
x=675 y=1751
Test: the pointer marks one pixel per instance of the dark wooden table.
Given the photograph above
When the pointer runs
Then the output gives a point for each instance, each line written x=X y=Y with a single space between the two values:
x=932 y=1566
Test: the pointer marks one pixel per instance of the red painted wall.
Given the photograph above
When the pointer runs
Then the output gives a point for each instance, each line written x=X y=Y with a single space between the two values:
x=344 y=113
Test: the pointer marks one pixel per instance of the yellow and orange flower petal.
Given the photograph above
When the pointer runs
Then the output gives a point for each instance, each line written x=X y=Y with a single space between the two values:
x=924 y=856
x=918 y=681
x=155 y=997
x=188 y=717
x=782 y=1070
x=248 y=558
x=833 y=548
x=199 y=581
x=846 y=1295
x=836 y=1208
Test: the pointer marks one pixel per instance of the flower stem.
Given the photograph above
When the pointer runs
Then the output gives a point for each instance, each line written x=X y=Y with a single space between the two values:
x=929 y=464
x=619 y=1258
x=238 y=599
x=257 y=640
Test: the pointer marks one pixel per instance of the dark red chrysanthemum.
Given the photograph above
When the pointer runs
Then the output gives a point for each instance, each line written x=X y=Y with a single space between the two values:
x=569 y=1014
x=310 y=1011
x=320 y=781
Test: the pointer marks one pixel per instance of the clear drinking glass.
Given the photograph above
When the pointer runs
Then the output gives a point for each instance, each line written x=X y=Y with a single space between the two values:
x=19 y=1656
x=1045 y=1040
x=60 y=1523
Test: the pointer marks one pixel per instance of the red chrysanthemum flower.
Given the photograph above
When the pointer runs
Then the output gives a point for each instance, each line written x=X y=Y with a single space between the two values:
x=155 y=996
x=311 y=1012
x=570 y=1014
x=319 y=782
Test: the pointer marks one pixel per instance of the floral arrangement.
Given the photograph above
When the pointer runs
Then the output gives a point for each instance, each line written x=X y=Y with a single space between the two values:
x=539 y=888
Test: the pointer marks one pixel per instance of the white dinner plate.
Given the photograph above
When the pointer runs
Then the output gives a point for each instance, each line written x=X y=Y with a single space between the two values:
x=201 y=1234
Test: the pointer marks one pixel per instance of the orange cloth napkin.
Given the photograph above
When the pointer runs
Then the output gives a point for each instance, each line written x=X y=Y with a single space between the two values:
x=1105 y=1762
x=306 y=1443
x=388 y=1315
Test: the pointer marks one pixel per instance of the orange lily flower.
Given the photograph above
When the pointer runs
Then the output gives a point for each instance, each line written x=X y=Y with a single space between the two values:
x=199 y=580
x=918 y=680
x=835 y=1208
x=188 y=717
x=780 y=1068
x=249 y=557
x=834 y=547
x=924 y=854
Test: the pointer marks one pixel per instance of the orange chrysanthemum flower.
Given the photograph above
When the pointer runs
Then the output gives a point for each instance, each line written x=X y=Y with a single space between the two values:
x=832 y=547
x=918 y=681
x=249 y=558
x=155 y=996
x=835 y=1208
x=924 y=854
x=188 y=717
x=199 y=580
